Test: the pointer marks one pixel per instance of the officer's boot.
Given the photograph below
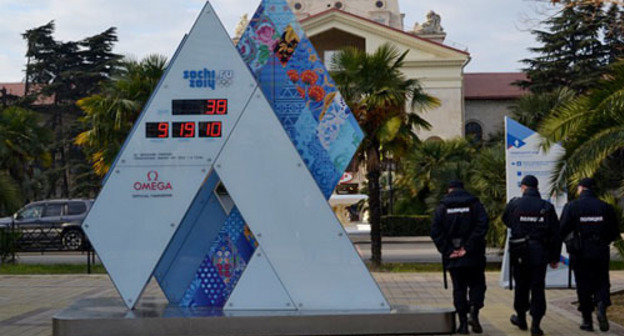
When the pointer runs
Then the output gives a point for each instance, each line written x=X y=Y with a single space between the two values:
x=603 y=322
x=535 y=327
x=587 y=324
x=519 y=321
x=474 y=321
x=463 y=324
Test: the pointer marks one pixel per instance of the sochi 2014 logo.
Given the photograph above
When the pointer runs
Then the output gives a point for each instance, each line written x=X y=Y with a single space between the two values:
x=152 y=183
x=208 y=79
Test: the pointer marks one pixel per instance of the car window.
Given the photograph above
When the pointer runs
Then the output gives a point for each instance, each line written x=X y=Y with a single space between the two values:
x=76 y=208
x=30 y=212
x=53 y=210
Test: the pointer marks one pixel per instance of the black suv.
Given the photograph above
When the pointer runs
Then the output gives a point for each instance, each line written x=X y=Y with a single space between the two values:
x=49 y=225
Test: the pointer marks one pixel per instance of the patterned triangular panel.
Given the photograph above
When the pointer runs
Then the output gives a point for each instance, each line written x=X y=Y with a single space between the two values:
x=303 y=95
x=292 y=222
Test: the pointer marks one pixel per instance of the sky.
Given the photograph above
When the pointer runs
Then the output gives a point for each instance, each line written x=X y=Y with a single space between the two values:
x=496 y=32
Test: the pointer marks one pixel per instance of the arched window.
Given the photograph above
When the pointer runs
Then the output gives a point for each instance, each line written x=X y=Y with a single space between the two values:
x=474 y=131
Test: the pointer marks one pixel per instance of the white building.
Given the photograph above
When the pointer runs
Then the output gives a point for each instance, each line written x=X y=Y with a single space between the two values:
x=368 y=24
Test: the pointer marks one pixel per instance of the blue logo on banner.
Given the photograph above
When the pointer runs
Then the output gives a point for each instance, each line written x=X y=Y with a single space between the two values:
x=208 y=78
x=201 y=78
x=512 y=141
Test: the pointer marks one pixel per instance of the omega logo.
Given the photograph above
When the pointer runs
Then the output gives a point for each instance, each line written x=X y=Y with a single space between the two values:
x=152 y=183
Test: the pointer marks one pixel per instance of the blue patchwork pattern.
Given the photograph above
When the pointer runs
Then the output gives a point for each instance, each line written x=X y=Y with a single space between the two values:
x=207 y=290
x=303 y=95
x=224 y=265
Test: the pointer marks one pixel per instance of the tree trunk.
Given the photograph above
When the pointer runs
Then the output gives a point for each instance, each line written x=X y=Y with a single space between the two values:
x=63 y=152
x=373 y=168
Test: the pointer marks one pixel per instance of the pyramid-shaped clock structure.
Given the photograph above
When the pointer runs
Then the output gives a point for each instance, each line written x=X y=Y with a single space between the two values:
x=210 y=195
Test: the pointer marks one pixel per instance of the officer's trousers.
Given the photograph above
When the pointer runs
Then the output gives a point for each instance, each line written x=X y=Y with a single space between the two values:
x=468 y=288
x=592 y=282
x=530 y=285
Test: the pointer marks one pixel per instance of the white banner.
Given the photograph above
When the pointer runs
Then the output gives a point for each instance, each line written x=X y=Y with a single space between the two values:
x=525 y=157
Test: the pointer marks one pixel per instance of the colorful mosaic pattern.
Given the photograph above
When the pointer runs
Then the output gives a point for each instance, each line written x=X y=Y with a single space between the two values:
x=315 y=117
x=221 y=269
x=303 y=95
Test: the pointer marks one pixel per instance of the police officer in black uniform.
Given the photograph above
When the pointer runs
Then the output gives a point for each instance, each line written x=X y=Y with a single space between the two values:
x=534 y=243
x=458 y=231
x=590 y=226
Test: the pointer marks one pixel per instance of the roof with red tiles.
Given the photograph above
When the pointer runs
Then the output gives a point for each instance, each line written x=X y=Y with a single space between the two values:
x=19 y=90
x=334 y=10
x=493 y=85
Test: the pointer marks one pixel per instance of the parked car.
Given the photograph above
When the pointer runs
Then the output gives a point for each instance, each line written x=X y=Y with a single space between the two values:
x=50 y=224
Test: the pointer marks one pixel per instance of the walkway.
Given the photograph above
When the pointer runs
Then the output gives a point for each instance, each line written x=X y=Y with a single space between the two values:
x=27 y=303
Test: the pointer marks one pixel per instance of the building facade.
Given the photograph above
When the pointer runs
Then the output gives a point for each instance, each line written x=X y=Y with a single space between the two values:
x=472 y=104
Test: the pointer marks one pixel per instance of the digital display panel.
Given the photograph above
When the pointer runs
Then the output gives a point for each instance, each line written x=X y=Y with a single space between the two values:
x=210 y=129
x=184 y=129
x=199 y=107
x=157 y=130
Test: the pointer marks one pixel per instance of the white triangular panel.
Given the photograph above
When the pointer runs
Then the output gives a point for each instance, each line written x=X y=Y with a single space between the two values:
x=289 y=216
x=154 y=180
x=259 y=288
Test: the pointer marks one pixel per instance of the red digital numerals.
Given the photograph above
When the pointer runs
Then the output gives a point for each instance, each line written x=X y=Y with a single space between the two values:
x=157 y=130
x=210 y=129
x=184 y=129
x=216 y=107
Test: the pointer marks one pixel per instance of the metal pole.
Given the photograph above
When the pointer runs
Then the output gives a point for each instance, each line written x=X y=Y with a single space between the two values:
x=391 y=196
x=88 y=260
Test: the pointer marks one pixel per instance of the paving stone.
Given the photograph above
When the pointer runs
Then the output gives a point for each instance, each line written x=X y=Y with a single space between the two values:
x=27 y=303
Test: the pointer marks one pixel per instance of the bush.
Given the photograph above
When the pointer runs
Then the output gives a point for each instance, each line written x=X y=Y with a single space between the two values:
x=402 y=226
x=8 y=244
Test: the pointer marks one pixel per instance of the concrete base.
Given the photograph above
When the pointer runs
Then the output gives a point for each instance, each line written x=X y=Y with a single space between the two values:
x=108 y=316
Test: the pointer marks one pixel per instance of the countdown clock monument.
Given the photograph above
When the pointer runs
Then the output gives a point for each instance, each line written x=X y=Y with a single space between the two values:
x=220 y=193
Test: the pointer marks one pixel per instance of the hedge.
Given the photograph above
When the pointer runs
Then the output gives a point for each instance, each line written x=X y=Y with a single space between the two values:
x=402 y=226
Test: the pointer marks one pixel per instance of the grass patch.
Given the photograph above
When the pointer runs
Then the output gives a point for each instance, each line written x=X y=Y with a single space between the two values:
x=437 y=267
x=24 y=269
x=420 y=267
x=616 y=311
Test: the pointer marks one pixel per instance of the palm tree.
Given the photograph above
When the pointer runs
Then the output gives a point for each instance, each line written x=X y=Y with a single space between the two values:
x=24 y=149
x=591 y=129
x=531 y=109
x=488 y=182
x=10 y=195
x=110 y=115
x=379 y=96
x=426 y=170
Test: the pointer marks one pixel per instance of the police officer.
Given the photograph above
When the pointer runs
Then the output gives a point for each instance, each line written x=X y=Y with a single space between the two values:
x=458 y=231
x=534 y=243
x=590 y=226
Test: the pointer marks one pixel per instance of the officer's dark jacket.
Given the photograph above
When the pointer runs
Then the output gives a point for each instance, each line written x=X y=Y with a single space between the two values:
x=531 y=217
x=594 y=221
x=460 y=217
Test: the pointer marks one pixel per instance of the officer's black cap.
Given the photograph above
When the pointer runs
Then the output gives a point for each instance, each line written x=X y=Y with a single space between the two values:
x=456 y=184
x=530 y=181
x=587 y=183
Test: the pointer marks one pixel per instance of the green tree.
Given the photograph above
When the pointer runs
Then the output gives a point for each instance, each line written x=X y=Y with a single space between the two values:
x=10 y=195
x=426 y=170
x=110 y=115
x=488 y=182
x=614 y=32
x=571 y=53
x=65 y=72
x=379 y=95
x=591 y=129
x=531 y=109
x=24 y=147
